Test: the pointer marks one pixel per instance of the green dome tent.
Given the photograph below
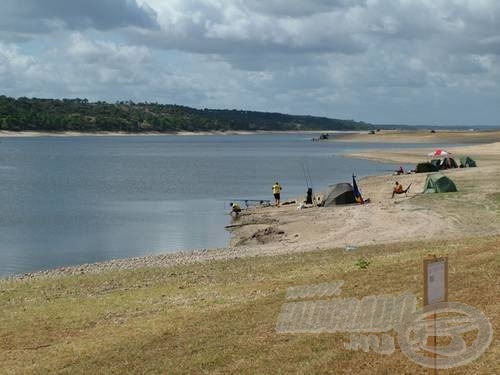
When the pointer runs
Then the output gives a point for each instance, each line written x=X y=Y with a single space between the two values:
x=439 y=183
x=466 y=161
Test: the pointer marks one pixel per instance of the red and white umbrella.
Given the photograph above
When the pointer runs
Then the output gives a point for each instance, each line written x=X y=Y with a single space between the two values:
x=439 y=153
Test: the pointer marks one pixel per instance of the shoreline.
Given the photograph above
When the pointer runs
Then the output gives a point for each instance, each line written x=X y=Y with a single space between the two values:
x=422 y=136
x=13 y=134
x=270 y=231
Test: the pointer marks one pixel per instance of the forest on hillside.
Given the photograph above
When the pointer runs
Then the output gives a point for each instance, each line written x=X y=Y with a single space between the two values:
x=57 y=115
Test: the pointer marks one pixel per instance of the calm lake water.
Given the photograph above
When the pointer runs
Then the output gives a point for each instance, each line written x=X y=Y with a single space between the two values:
x=73 y=200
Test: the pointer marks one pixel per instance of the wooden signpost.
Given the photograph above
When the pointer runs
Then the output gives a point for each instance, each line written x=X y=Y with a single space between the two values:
x=435 y=291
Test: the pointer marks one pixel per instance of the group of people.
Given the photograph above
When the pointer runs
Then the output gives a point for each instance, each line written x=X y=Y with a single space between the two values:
x=236 y=209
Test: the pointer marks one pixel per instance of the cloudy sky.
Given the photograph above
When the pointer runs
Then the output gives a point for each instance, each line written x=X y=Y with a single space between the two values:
x=382 y=61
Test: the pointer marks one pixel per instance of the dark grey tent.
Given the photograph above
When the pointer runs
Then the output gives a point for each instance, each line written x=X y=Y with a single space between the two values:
x=339 y=194
x=467 y=162
x=444 y=163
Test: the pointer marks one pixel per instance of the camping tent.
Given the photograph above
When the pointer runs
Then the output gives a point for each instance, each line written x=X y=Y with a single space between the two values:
x=339 y=194
x=442 y=159
x=466 y=161
x=444 y=163
x=439 y=183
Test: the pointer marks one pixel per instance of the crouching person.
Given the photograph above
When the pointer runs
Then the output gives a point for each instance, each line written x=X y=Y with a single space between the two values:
x=235 y=209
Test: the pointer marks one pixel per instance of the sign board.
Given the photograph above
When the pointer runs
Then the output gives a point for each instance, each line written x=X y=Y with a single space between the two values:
x=435 y=291
x=435 y=280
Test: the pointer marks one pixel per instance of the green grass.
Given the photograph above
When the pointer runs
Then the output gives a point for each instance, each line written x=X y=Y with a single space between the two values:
x=474 y=208
x=496 y=199
x=219 y=317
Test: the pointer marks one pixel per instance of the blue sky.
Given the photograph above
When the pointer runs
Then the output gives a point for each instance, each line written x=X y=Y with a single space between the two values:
x=384 y=61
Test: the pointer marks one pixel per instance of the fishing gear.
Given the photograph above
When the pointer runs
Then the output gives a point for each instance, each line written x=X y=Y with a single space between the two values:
x=307 y=175
x=248 y=202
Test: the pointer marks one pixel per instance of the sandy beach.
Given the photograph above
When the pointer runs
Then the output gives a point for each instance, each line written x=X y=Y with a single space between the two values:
x=421 y=136
x=473 y=211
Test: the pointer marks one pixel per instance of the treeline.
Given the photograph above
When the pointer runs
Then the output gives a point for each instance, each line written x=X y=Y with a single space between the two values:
x=56 y=115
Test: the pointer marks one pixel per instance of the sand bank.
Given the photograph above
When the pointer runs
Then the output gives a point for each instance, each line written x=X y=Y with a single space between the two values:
x=488 y=154
x=473 y=211
x=440 y=136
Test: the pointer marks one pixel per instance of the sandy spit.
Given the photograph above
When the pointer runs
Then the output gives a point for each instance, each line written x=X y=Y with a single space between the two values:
x=422 y=136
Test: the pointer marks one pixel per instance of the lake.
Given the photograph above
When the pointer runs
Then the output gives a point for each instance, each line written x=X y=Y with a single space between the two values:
x=73 y=200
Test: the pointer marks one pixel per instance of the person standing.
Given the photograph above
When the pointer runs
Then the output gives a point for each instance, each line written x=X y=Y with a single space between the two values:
x=277 y=193
x=309 y=196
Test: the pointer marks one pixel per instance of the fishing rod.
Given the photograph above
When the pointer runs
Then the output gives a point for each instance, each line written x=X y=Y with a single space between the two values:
x=307 y=175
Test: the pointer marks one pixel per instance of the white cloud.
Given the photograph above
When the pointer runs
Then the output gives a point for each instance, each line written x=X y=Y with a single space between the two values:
x=19 y=72
x=373 y=60
x=29 y=17
x=108 y=54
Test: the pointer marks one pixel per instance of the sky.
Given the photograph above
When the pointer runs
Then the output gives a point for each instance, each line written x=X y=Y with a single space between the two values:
x=427 y=62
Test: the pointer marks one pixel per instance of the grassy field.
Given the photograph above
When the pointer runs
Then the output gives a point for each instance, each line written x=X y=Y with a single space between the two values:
x=220 y=317
x=475 y=207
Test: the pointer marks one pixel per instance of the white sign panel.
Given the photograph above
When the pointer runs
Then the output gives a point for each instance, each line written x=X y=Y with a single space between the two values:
x=435 y=282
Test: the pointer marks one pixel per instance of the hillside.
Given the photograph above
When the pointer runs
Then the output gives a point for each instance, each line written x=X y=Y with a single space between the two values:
x=56 y=115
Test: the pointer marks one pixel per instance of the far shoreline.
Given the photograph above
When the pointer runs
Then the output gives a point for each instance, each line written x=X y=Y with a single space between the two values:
x=423 y=136
x=13 y=134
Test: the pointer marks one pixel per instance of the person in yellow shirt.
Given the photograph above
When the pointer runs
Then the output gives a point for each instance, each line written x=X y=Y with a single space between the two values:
x=235 y=209
x=276 y=192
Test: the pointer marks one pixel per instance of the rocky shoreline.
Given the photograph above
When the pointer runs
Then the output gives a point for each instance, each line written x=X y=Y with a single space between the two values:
x=157 y=260
x=163 y=260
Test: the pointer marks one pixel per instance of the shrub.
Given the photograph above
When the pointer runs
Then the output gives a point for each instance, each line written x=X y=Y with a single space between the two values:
x=362 y=263
x=426 y=167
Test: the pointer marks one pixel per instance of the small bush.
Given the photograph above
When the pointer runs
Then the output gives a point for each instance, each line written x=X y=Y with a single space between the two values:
x=426 y=167
x=362 y=264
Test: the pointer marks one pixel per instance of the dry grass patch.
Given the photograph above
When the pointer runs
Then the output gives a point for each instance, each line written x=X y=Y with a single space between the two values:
x=219 y=317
